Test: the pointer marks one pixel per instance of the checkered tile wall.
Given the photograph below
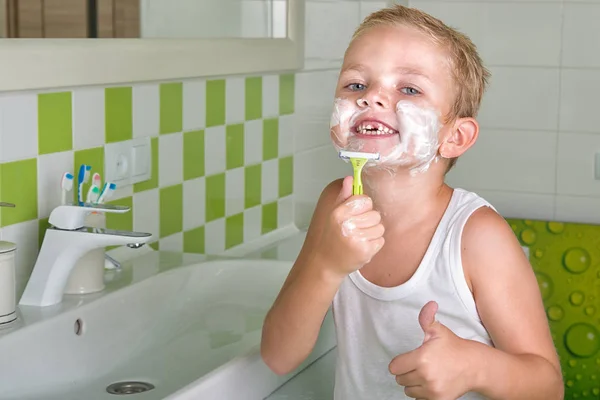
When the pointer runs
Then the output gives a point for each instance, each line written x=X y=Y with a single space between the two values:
x=222 y=159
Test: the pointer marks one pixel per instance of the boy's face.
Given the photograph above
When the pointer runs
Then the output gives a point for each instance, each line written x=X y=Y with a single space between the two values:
x=394 y=89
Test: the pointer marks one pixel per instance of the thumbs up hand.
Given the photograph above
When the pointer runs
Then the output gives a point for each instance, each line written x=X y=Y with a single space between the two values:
x=439 y=368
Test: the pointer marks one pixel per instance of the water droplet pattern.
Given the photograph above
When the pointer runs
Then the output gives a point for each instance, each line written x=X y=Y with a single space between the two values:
x=566 y=260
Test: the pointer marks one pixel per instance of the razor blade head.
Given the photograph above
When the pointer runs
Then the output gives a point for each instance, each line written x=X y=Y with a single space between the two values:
x=357 y=154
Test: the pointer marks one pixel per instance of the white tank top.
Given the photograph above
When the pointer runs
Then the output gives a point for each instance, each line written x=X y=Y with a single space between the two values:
x=374 y=324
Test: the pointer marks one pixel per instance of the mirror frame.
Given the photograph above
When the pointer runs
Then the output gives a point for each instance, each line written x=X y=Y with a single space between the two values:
x=53 y=63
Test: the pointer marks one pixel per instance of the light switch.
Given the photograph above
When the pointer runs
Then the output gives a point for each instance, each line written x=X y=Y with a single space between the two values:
x=141 y=160
x=128 y=162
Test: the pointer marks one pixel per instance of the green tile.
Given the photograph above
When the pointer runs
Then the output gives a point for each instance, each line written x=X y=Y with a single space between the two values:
x=42 y=226
x=154 y=245
x=234 y=230
x=55 y=122
x=18 y=185
x=151 y=183
x=171 y=107
x=253 y=98
x=286 y=176
x=215 y=197
x=215 y=103
x=193 y=155
x=253 y=185
x=171 y=210
x=270 y=138
x=193 y=241
x=124 y=221
x=93 y=157
x=235 y=146
x=286 y=94
x=269 y=217
x=118 y=114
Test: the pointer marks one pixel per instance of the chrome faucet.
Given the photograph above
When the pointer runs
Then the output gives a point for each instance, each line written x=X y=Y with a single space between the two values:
x=66 y=240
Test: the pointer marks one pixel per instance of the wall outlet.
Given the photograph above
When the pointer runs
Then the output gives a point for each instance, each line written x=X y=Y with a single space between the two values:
x=128 y=162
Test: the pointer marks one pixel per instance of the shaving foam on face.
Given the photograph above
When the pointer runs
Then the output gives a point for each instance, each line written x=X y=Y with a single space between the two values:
x=414 y=146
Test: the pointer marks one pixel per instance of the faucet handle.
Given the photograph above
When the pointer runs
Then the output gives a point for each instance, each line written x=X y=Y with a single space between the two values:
x=71 y=217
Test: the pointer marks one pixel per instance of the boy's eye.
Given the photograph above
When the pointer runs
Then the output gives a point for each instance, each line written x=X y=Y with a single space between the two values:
x=410 y=91
x=356 y=87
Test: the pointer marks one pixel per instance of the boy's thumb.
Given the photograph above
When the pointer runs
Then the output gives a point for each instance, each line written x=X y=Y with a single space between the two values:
x=427 y=319
x=346 y=191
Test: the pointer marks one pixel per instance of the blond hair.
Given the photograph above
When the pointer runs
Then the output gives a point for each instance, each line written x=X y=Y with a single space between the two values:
x=469 y=74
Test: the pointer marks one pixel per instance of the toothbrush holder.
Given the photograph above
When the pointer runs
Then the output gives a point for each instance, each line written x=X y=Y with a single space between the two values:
x=88 y=274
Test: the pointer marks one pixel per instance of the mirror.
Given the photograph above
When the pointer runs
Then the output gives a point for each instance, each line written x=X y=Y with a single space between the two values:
x=146 y=19
x=64 y=43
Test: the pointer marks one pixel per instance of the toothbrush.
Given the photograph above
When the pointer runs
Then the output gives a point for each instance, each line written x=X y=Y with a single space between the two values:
x=107 y=191
x=358 y=161
x=97 y=180
x=83 y=177
x=93 y=195
x=66 y=184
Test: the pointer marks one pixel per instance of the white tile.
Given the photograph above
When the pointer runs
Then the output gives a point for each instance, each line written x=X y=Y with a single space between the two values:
x=170 y=160
x=581 y=22
x=146 y=110
x=287 y=126
x=285 y=211
x=146 y=211
x=314 y=97
x=51 y=168
x=521 y=98
x=508 y=160
x=579 y=100
x=235 y=93
x=577 y=209
x=520 y=205
x=252 y=223
x=172 y=243
x=122 y=192
x=368 y=7
x=214 y=139
x=576 y=154
x=253 y=142
x=270 y=93
x=88 y=118
x=26 y=236
x=321 y=164
x=194 y=203
x=234 y=191
x=270 y=181
x=531 y=38
x=329 y=28
x=19 y=127
x=215 y=236
x=194 y=105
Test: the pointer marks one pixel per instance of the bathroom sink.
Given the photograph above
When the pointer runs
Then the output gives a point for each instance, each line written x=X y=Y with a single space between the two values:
x=187 y=332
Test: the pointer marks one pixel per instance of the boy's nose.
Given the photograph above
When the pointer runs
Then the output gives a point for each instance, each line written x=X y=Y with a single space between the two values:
x=374 y=99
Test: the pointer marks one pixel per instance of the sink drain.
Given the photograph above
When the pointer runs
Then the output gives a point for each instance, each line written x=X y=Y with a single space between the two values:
x=122 y=388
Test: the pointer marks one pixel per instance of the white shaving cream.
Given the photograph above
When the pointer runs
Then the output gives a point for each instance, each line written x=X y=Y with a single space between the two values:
x=414 y=147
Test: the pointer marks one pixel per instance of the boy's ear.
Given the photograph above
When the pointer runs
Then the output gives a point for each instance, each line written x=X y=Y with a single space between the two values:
x=462 y=136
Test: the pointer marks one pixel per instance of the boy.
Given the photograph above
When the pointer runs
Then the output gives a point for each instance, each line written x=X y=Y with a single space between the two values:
x=432 y=295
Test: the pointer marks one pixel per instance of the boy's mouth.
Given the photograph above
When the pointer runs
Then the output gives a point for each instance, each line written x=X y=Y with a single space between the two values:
x=373 y=129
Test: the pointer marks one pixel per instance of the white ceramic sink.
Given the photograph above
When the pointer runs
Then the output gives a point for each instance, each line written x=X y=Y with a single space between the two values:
x=191 y=331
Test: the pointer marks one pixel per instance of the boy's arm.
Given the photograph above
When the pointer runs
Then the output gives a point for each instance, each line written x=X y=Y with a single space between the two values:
x=291 y=327
x=524 y=363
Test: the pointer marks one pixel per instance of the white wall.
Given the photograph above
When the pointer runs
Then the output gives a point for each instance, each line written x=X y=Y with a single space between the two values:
x=540 y=118
x=329 y=27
